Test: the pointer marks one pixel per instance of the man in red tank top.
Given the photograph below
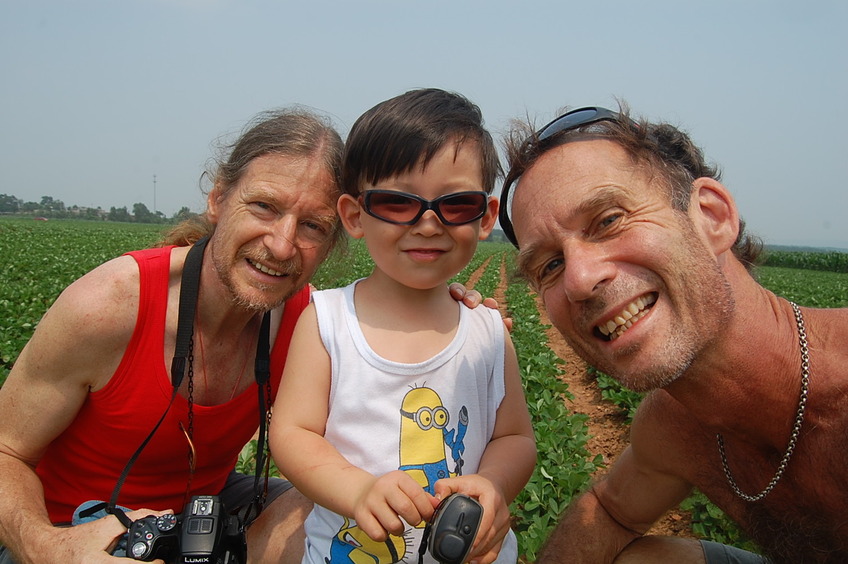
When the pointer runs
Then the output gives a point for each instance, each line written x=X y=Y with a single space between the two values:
x=95 y=377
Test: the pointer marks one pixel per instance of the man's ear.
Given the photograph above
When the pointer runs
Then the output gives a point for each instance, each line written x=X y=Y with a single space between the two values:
x=714 y=213
x=489 y=219
x=350 y=214
x=213 y=201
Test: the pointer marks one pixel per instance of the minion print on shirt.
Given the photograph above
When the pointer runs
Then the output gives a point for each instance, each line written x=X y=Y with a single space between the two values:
x=351 y=544
x=424 y=435
x=424 y=441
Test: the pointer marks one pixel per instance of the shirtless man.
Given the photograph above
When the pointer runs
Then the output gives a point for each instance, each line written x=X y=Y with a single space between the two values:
x=641 y=259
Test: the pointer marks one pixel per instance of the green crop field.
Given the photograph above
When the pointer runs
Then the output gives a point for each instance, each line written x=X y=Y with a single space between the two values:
x=38 y=259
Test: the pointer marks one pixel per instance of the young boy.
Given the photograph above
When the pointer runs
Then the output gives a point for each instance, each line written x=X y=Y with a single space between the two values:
x=394 y=395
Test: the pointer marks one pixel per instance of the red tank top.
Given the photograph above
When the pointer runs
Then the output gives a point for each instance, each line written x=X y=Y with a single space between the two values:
x=85 y=461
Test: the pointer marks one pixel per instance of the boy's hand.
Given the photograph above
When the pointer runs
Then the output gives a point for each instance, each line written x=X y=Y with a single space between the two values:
x=390 y=498
x=496 y=518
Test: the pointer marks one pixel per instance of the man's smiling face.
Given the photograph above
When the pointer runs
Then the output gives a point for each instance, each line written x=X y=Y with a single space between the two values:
x=273 y=228
x=625 y=278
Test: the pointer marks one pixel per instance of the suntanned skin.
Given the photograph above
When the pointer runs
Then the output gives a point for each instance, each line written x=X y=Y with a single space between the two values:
x=720 y=352
x=94 y=319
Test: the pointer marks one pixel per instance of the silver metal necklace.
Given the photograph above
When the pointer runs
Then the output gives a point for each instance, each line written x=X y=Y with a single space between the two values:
x=796 y=428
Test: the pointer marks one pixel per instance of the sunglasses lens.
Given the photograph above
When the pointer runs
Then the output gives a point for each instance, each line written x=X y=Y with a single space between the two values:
x=406 y=209
x=463 y=208
x=394 y=207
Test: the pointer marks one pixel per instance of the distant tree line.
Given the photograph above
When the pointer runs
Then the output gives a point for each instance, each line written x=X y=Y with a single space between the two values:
x=497 y=236
x=52 y=208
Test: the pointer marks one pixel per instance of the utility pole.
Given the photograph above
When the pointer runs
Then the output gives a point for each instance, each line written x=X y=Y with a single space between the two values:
x=154 y=194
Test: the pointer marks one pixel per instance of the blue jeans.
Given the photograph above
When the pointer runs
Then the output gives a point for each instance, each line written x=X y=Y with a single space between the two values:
x=716 y=553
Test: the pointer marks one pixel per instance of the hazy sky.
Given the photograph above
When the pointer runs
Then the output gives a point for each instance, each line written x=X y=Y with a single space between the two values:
x=98 y=96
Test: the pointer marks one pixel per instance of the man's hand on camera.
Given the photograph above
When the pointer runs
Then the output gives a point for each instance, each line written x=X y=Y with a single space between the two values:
x=94 y=542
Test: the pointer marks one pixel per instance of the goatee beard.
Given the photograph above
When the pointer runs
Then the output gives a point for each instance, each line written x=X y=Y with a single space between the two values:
x=291 y=269
x=251 y=305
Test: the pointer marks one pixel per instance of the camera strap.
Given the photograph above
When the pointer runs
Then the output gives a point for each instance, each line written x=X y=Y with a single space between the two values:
x=262 y=372
x=425 y=537
x=189 y=292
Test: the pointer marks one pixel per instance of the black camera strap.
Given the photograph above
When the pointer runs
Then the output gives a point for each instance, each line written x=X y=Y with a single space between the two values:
x=189 y=292
x=262 y=371
x=425 y=537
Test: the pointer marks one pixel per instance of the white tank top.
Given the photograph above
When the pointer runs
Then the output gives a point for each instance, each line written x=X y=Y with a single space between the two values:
x=432 y=419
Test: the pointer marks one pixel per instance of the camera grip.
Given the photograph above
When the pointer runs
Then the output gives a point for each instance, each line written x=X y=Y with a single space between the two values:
x=455 y=525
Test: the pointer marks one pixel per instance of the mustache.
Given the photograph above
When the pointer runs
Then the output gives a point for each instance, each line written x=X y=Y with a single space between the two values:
x=621 y=291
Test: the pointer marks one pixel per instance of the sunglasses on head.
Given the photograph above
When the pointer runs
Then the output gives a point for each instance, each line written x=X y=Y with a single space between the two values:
x=566 y=122
x=401 y=208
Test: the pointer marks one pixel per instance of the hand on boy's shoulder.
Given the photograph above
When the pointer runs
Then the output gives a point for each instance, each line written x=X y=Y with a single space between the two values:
x=473 y=298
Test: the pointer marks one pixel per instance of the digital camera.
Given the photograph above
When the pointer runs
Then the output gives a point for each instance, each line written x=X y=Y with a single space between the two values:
x=455 y=525
x=204 y=534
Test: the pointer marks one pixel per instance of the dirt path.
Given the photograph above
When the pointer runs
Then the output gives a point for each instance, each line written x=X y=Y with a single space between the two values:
x=607 y=428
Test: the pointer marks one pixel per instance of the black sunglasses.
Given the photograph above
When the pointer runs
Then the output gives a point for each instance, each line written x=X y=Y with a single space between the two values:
x=566 y=122
x=401 y=208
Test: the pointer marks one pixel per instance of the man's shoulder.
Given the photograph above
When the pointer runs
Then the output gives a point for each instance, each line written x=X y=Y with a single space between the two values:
x=829 y=327
x=119 y=278
x=665 y=429
x=112 y=277
x=827 y=335
x=103 y=300
x=93 y=318
x=658 y=406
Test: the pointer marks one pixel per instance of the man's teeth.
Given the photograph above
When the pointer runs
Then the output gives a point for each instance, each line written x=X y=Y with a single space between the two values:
x=616 y=326
x=262 y=268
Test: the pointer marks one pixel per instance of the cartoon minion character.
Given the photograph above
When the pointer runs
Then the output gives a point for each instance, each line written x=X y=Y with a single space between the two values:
x=422 y=445
x=352 y=545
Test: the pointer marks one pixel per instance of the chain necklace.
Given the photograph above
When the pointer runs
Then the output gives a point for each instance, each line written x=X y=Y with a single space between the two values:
x=203 y=363
x=796 y=428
